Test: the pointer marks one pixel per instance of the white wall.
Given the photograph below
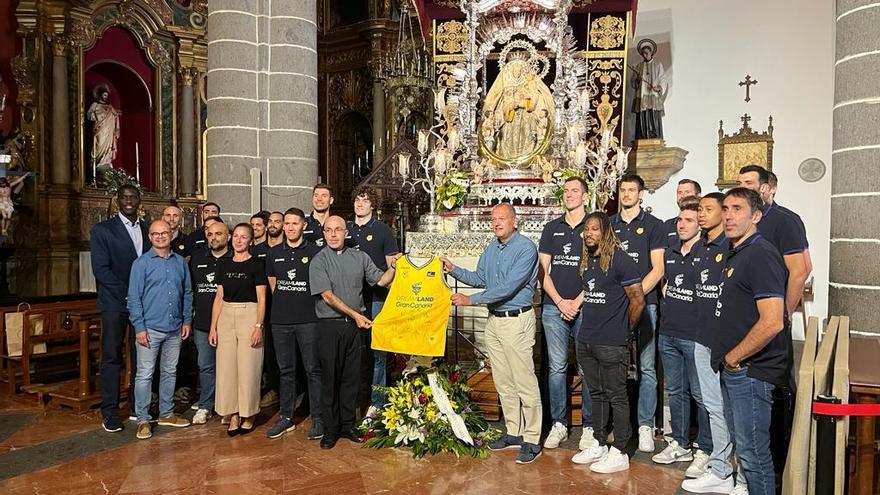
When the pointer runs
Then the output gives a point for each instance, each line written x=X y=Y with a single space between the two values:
x=788 y=46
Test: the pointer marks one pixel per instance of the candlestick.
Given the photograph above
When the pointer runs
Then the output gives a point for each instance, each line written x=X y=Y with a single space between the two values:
x=137 y=162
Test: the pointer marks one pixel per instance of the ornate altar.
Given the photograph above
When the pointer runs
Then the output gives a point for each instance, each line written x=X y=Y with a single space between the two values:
x=745 y=147
x=527 y=94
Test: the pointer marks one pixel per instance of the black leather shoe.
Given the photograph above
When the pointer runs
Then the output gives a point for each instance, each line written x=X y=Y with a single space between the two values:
x=353 y=436
x=234 y=432
x=244 y=431
x=328 y=442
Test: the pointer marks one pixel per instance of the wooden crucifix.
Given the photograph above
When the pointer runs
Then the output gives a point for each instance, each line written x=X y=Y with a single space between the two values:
x=748 y=83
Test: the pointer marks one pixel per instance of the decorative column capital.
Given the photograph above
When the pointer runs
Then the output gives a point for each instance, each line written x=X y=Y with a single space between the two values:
x=59 y=45
x=188 y=75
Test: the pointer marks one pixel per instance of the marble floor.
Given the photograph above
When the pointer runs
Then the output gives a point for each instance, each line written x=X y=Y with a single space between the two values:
x=56 y=452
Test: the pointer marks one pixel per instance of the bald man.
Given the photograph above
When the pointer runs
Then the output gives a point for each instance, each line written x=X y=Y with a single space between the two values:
x=160 y=305
x=336 y=275
x=508 y=271
x=174 y=216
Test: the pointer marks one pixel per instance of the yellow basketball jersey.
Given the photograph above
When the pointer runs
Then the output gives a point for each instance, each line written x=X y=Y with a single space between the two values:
x=416 y=312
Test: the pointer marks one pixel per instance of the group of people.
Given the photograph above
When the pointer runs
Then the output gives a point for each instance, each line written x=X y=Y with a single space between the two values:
x=282 y=288
x=711 y=291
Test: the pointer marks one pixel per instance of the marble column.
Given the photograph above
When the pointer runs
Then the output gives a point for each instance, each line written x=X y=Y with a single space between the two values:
x=60 y=171
x=187 y=159
x=379 y=142
x=854 y=273
x=262 y=103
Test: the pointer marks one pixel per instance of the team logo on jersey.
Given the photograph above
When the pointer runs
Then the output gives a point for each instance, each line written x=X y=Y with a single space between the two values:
x=729 y=272
x=416 y=288
x=640 y=230
x=291 y=274
x=369 y=237
x=704 y=275
x=719 y=257
x=624 y=245
x=679 y=279
x=591 y=284
x=181 y=247
x=210 y=277
x=431 y=274
x=305 y=259
x=566 y=248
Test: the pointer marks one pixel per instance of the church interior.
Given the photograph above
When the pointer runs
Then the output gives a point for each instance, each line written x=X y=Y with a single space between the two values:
x=445 y=109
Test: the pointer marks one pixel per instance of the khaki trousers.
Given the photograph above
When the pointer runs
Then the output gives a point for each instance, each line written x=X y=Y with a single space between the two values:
x=510 y=342
x=239 y=366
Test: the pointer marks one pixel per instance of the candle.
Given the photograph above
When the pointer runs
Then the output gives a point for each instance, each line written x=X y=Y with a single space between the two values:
x=403 y=163
x=440 y=157
x=423 y=141
x=137 y=162
x=580 y=154
x=452 y=135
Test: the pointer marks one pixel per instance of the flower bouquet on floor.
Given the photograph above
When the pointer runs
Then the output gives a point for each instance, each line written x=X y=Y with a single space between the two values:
x=430 y=411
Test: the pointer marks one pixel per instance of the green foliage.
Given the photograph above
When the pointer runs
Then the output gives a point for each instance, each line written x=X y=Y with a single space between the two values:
x=453 y=190
x=114 y=178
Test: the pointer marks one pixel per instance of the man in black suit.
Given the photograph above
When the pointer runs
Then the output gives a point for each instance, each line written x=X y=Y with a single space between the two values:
x=115 y=244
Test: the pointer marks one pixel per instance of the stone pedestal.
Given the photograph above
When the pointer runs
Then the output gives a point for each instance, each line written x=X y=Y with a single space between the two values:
x=655 y=162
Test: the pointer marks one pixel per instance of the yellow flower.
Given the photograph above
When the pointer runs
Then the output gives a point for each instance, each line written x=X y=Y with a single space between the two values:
x=430 y=415
x=453 y=404
x=427 y=391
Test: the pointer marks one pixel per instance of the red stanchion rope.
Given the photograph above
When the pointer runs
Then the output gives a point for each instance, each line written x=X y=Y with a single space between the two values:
x=826 y=409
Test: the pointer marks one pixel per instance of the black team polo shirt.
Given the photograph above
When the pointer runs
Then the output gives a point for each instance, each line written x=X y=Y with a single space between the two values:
x=680 y=313
x=314 y=231
x=710 y=258
x=292 y=301
x=643 y=234
x=783 y=230
x=565 y=246
x=606 y=305
x=203 y=272
x=376 y=239
x=754 y=270
x=180 y=245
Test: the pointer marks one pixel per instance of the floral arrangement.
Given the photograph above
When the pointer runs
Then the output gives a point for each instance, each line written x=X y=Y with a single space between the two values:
x=114 y=178
x=411 y=417
x=453 y=190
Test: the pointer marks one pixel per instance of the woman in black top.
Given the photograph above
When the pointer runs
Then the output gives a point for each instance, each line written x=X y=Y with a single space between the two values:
x=237 y=332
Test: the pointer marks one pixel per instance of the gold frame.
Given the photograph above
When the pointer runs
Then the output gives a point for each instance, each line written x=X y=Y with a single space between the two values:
x=745 y=147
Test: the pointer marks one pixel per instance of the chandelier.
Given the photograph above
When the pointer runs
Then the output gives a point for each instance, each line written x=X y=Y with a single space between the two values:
x=408 y=65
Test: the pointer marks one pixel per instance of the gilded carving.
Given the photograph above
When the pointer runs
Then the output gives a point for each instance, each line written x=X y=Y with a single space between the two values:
x=21 y=72
x=80 y=34
x=345 y=58
x=605 y=78
x=743 y=148
x=445 y=79
x=159 y=54
x=452 y=37
x=350 y=91
x=187 y=75
x=607 y=32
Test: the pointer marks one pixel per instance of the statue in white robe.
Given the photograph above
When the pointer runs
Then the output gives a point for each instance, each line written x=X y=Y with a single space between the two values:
x=105 y=128
x=651 y=86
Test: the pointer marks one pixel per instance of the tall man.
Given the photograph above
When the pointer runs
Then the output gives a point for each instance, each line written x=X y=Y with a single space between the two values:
x=713 y=475
x=367 y=234
x=115 y=244
x=160 y=304
x=687 y=188
x=642 y=237
x=203 y=269
x=769 y=197
x=322 y=199
x=559 y=254
x=172 y=216
x=508 y=270
x=748 y=339
x=613 y=303
x=196 y=240
x=294 y=322
x=337 y=275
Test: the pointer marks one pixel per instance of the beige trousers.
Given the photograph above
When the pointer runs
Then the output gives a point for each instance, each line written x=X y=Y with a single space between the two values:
x=239 y=366
x=510 y=342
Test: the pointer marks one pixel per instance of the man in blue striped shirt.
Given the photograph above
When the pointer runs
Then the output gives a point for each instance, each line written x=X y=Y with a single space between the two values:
x=160 y=305
x=508 y=270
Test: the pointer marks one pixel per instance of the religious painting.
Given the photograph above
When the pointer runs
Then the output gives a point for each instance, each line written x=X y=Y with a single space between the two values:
x=745 y=147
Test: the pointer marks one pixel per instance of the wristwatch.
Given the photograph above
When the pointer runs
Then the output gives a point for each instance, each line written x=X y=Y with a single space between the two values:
x=730 y=368
x=258 y=325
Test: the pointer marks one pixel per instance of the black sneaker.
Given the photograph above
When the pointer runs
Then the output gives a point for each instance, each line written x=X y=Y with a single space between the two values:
x=112 y=424
x=528 y=453
x=328 y=442
x=317 y=431
x=282 y=426
x=506 y=442
x=354 y=436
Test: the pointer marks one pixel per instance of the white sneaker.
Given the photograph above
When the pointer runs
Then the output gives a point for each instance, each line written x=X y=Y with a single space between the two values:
x=673 y=453
x=708 y=483
x=646 y=439
x=698 y=467
x=611 y=462
x=195 y=406
x=589 y=455
x=201 y=417
x=740 y=490
x=557 y=435
x=587 y=439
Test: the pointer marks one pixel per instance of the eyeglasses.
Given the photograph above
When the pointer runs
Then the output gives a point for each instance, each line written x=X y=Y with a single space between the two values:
x=331 y=231
x=160 y=234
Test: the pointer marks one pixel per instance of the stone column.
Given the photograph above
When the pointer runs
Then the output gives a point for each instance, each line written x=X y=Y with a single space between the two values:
x=262 y=103
x=379 y=142
x=60 y=171
x=854 y=273
x=187 y=159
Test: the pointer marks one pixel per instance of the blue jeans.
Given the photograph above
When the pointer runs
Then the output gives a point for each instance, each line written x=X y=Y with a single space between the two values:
x=748 y=403
x=289 y=339
x=557 y=332
x=207 y=370
x=711 y=400
x=681 y=382
x=164 y=347
x=377 y=398
x=647 y=407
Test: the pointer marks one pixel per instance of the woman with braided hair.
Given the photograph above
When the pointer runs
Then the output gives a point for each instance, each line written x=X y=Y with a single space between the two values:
x=611 y=304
